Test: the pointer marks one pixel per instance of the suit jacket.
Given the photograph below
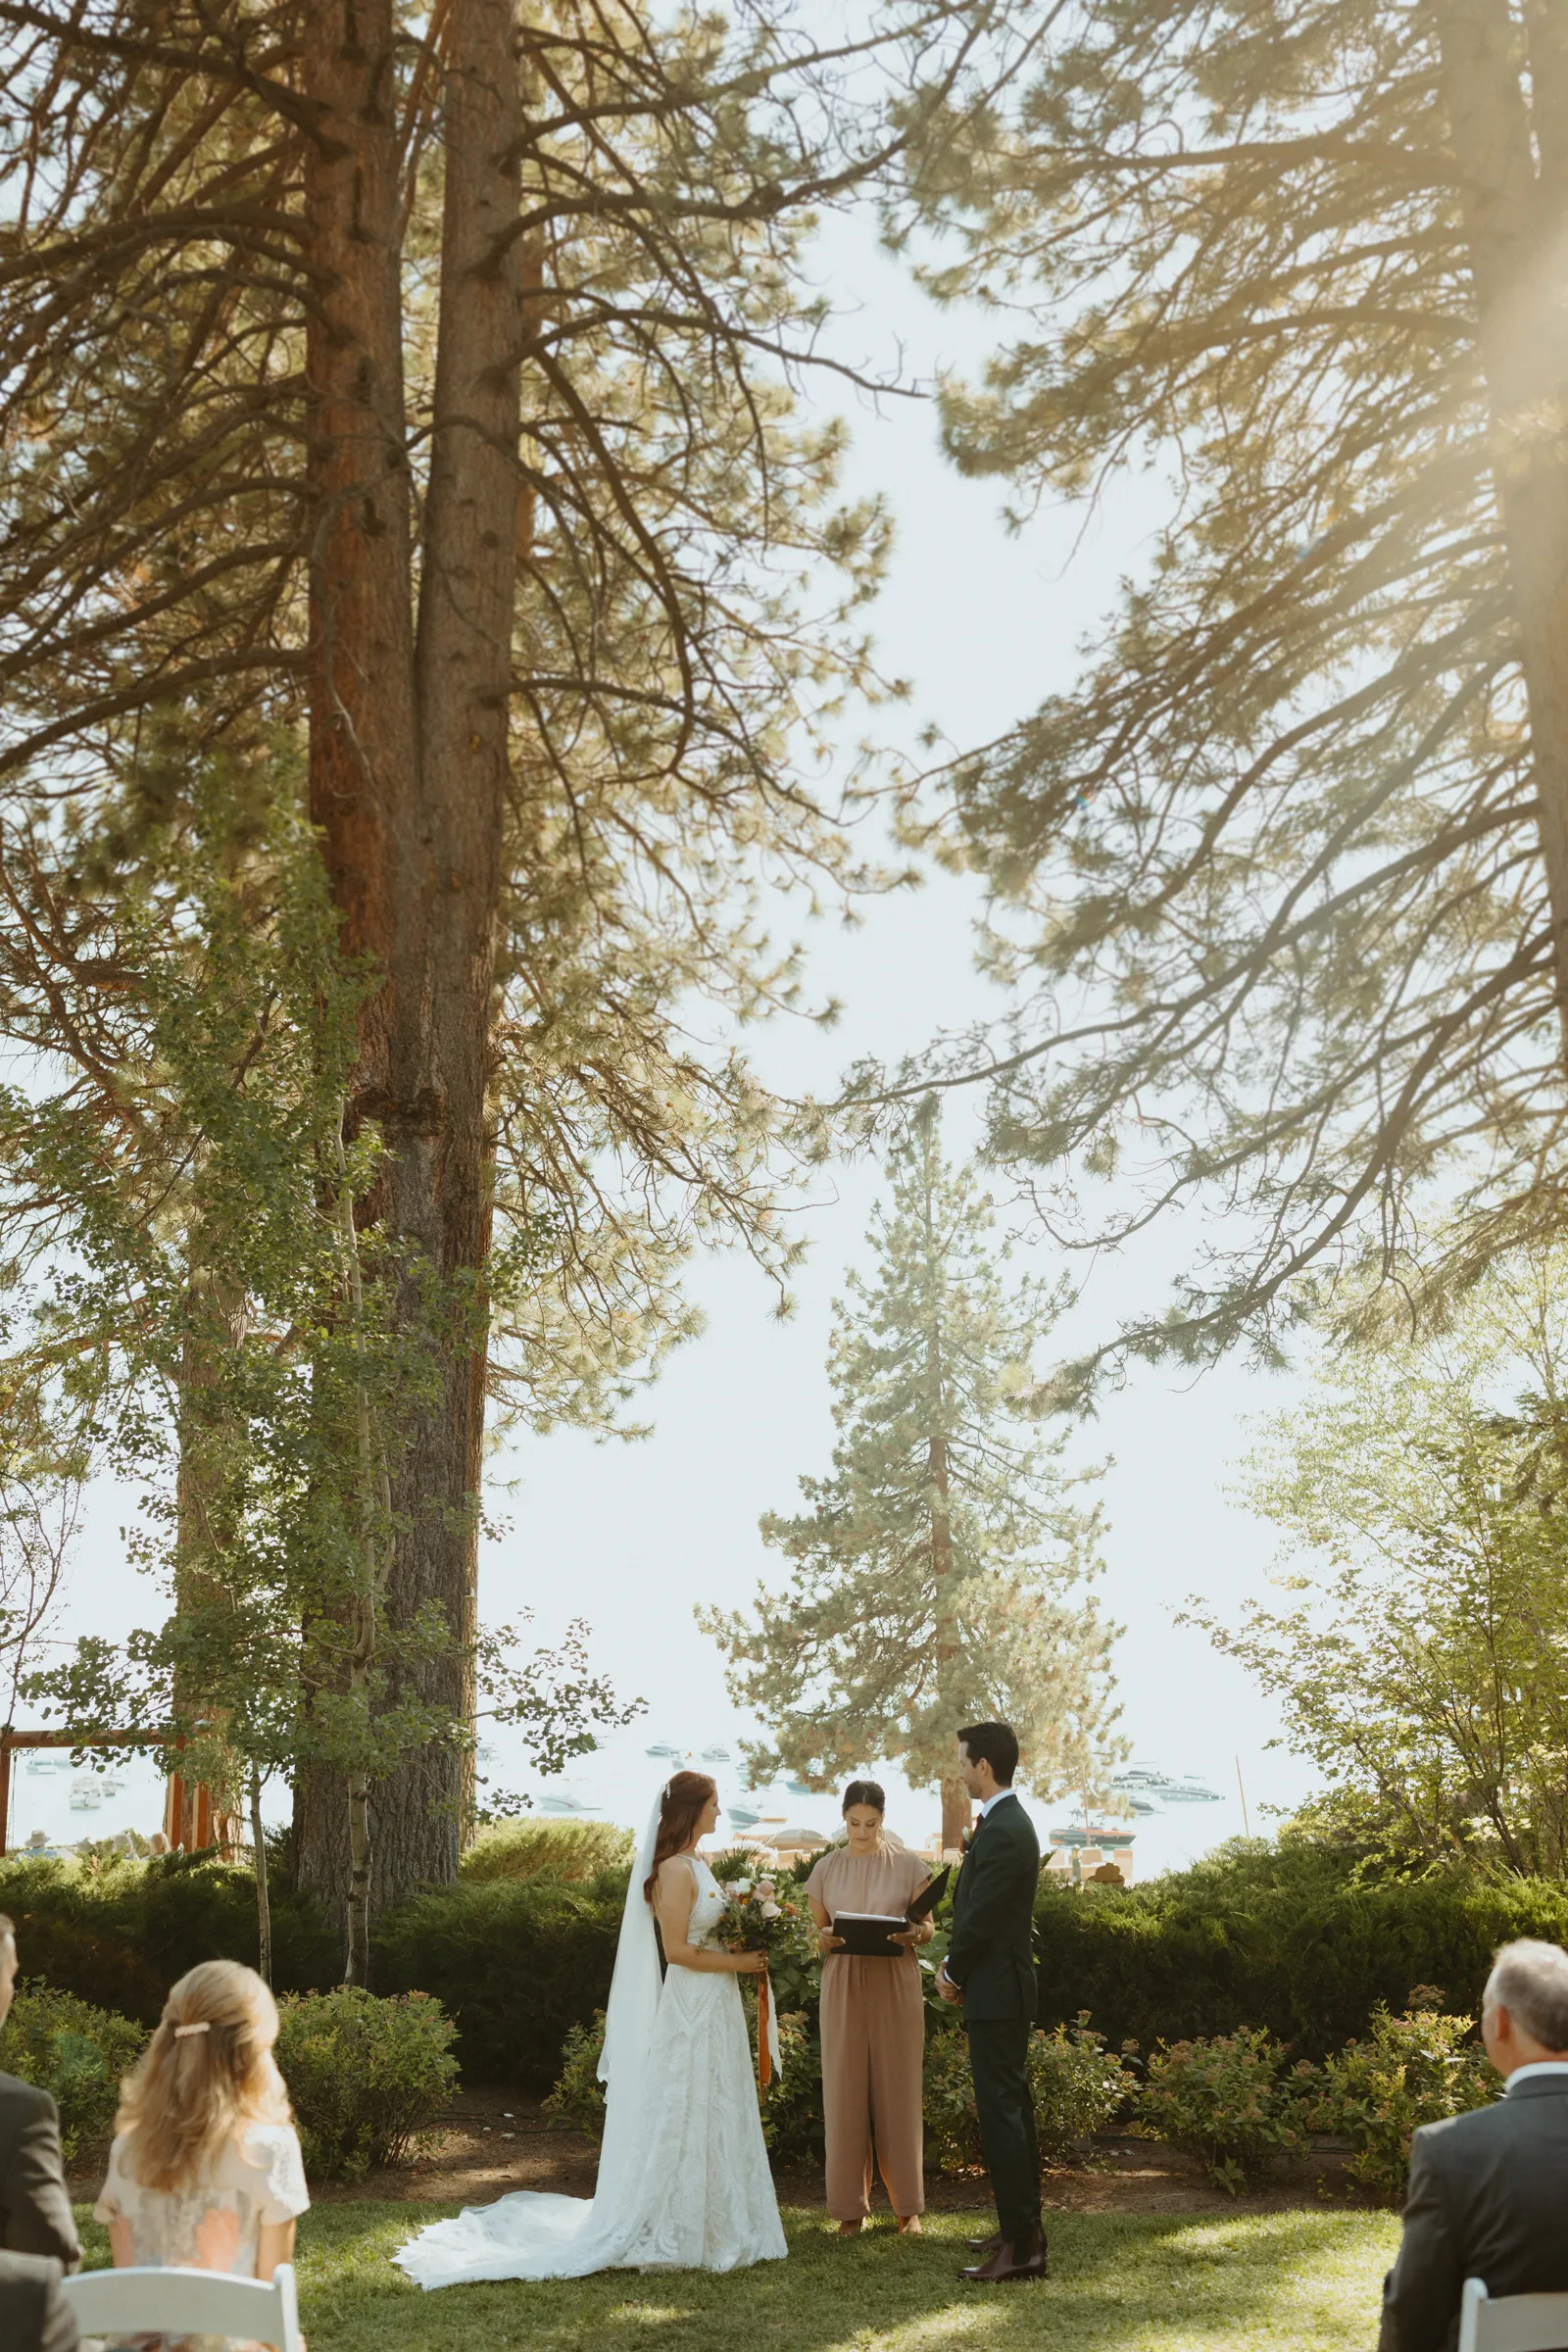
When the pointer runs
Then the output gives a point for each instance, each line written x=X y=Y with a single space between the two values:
x=35 y=2214
x=1487 y=2199
x=33 y=2317
x=992 y=1952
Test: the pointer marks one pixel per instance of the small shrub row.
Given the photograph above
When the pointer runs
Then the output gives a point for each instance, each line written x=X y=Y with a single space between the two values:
x=1237 y=2103
x=76 y=2052
x=1078 y=2085
x=366 y=2075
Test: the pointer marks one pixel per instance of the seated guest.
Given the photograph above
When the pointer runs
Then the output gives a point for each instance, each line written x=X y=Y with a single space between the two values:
x=205 y=2172
x=34 y=2210
x=33 y=2310
x=1488 y=2191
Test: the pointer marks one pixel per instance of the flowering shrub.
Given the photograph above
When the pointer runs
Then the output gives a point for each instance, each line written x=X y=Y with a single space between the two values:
x=578 y=2097
x=1414 y=2068
x=76 y=2053
x=1223 y=2100
x=365 y=2073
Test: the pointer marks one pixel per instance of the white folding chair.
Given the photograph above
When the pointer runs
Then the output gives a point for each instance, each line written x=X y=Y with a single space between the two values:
x=187 y=2303
x=1513 y=2322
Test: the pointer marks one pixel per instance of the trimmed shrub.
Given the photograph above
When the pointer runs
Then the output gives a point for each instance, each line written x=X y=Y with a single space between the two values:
x=1077 y=2085
x=516 y=1962
x=77 y=2054
x=1411 y=2070
x=573 y=1852
x=366 y=2075
x=1290 y=1938
x=118 y=1934
x=1224 y=2101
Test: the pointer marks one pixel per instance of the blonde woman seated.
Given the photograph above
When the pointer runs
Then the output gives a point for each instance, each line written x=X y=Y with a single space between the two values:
x=873 y=2022
x=206 y=2173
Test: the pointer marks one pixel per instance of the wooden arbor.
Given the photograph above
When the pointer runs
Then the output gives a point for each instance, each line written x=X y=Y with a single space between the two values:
x=191 y=1819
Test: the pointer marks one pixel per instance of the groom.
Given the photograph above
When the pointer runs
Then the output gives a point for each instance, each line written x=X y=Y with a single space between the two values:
x=989 y=1968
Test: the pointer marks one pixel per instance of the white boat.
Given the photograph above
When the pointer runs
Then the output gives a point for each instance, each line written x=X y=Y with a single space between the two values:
x=663 y=1749
x=47 y=1764
x=85 y=1795
x=713 y=1755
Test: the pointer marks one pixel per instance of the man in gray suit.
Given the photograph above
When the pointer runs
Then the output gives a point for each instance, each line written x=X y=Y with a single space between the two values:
x=1488 y=2191
x=33 y=2317
x=35 y=2214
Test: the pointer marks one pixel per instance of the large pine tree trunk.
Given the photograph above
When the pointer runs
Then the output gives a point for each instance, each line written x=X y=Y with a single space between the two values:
x=1514 y=218
x=408 y=779
x=449 y=890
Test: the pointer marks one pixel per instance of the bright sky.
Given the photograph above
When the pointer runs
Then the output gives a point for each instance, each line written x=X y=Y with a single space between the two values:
x=633 y=1536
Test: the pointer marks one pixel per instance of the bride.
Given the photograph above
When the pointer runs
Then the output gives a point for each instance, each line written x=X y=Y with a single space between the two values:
x=683 y=2179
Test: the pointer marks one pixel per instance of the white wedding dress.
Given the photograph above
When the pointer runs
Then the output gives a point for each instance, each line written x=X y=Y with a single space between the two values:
x=683 y=2179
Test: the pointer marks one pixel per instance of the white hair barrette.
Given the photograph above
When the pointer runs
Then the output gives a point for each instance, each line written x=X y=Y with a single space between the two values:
x=204 y=2027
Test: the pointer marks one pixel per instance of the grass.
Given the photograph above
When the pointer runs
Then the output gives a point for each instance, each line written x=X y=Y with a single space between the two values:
x=1119 y=2284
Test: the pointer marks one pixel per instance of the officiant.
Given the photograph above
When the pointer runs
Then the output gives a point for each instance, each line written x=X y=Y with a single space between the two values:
x=873 y=2020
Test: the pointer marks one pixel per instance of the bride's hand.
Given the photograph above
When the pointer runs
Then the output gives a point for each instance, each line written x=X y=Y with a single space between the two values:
x=751 y=1964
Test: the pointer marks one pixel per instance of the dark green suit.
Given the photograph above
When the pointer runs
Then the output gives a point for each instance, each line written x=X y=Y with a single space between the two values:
x=992 y=1960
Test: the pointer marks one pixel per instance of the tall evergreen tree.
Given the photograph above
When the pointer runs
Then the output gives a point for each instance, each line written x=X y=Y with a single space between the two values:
x=413 y=375
x=939 y=1571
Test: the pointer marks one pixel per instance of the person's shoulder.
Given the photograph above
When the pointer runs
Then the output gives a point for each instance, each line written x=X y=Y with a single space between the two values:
x=259 y=2142
x=24 y=2102
x=1455 y=2139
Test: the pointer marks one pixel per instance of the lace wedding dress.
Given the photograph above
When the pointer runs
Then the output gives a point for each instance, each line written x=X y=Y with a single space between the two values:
x=683 y=2179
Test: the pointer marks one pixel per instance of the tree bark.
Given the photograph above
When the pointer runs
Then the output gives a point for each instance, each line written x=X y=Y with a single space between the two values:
x=449 y=894
x=409 y=782
x=1514 y=223
x=957 y=1812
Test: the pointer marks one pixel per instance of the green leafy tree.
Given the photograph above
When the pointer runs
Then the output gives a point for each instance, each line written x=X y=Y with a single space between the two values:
x=940 y=1572
x=1424 y=1495
x=1281 y=876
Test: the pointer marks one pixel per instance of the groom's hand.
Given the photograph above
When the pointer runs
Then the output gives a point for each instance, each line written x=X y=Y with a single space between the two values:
x=946 y=1986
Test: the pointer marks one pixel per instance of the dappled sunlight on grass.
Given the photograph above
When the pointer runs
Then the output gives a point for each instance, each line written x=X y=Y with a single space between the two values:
x=1120 y=2282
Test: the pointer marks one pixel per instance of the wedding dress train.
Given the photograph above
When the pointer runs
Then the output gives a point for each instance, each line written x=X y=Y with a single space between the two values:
x=683 y=2178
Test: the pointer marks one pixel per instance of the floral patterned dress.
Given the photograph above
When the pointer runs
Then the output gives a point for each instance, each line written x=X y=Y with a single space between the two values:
x=214 y=2223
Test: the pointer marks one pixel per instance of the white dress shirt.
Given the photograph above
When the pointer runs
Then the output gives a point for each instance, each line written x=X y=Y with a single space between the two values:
x=1537 y=2066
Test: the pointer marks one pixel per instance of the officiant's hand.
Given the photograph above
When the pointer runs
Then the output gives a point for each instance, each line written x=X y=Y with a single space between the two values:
x=921 y=1933
x=827 y=1941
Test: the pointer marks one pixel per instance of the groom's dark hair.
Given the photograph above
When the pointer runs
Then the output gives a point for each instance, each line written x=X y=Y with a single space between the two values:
x=996 y=1744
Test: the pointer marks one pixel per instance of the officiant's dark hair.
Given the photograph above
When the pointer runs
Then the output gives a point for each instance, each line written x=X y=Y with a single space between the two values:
x=680 y=1809
x=863 y=1792
x=994 y=1743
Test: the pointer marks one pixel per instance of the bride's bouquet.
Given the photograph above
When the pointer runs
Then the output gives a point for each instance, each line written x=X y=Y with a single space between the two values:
x=757 y=1917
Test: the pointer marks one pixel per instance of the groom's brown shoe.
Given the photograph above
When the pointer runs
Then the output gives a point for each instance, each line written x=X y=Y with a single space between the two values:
x=984 y=2245
x=1011 y=2262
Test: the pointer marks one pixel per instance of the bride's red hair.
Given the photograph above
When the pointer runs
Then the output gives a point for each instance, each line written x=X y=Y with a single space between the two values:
x=680 y=1809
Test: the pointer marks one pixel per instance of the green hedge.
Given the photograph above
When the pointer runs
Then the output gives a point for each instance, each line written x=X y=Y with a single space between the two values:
x=119 y=1937
x=1280 y=1938
x=517 y=1962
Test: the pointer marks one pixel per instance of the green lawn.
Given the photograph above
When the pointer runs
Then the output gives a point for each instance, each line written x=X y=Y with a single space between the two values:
x=1306 y=2279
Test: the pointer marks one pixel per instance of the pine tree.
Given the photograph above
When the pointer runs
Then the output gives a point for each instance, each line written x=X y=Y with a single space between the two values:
x=1283 y=872
x=939 y=1570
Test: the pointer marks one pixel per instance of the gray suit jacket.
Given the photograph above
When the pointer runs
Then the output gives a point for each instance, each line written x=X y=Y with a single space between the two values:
x=1487 y=2199
x=33 y=2310
x=35 y=2216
